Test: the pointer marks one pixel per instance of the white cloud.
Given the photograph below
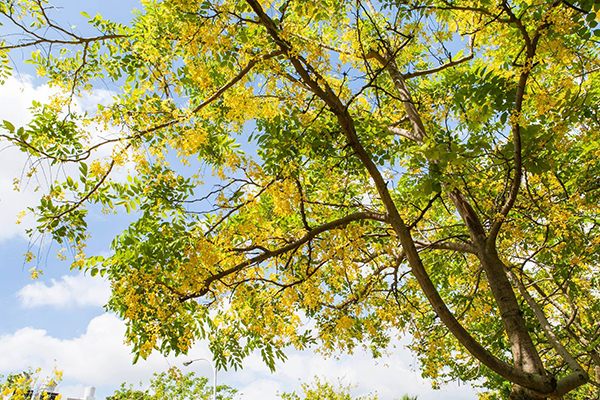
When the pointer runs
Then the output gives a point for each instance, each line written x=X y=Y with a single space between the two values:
x=16 y=98
x=95 y=358
x=99 y=358
x=262 y=389
x=69 y=291
x=390 y=376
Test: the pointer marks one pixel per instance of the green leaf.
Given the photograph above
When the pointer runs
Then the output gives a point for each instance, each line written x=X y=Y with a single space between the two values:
x=8 y=126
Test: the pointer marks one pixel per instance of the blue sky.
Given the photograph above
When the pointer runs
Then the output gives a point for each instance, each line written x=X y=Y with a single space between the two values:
x=59 y=319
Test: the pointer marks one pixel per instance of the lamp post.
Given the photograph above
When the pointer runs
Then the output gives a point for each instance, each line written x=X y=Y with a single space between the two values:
x=189 y=362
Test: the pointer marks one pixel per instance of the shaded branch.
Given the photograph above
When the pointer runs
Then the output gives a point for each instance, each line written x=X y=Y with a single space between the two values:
x=452 y=246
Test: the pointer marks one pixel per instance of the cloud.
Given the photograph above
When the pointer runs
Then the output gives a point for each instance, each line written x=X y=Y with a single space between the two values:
x=99 y=358
x=390 y=376
x=95 y=358
x=69 y=291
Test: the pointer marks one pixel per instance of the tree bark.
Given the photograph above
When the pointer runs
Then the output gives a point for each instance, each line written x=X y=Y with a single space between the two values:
x=521 y=393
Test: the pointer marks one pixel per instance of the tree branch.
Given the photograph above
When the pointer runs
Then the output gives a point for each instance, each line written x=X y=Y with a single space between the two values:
x=267 y=254
x=452 y=246
x=444 y=66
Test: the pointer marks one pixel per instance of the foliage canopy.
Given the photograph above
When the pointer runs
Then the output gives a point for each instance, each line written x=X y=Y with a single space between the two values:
x=174 y=385
x=337 y=172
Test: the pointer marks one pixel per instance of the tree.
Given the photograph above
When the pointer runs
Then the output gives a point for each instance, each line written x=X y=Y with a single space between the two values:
x=334 y=173
x=28 y=385
x=319 y=389
x=174 y=386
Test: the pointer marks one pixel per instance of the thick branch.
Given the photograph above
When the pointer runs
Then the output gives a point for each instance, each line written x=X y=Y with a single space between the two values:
x=452 y=246
x=400 y=84
x=267 y=254
x=518 y=162
x=524 y=352
x=404 y=133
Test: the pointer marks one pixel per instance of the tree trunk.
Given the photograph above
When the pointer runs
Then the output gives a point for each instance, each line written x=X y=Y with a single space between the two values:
x=521 y=393
x=525 y=355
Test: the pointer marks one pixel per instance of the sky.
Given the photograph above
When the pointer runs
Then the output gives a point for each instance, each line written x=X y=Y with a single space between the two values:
x=59 y=321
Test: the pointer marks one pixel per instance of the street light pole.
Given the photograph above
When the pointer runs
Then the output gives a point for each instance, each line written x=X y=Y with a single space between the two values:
x=189 y=362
